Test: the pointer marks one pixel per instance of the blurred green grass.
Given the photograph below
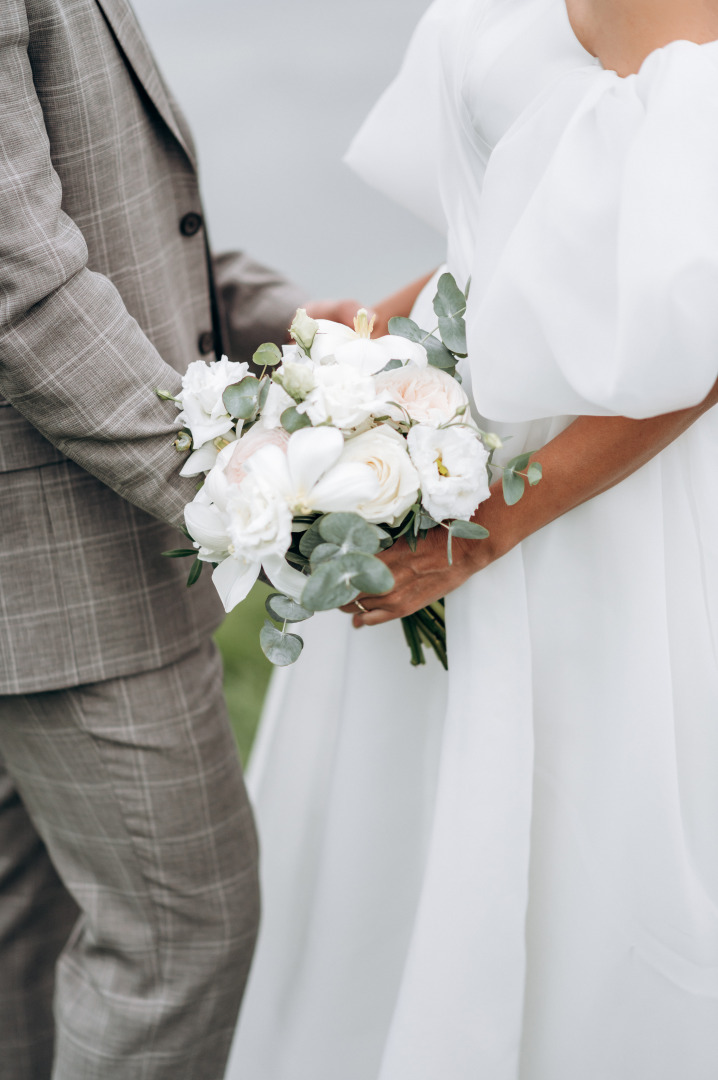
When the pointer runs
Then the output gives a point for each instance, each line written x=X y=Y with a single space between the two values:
x=246 y=669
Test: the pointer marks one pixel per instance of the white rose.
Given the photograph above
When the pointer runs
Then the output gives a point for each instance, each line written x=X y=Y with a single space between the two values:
x=342 y=397
x=451 y=463
x=385 y=452
x=203 y=411
x=430 y=396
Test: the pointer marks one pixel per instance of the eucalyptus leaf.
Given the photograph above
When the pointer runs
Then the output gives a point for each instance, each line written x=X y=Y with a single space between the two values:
x=322 y=552
x=467 y=290
x=240 y=399
x=280 y=648
x=534 y=473
x=267 y=355
x=263 y=392
x=292 y=420
x=370 y=574
x=439 y=356
x=350 y=532
x=284 y=609
x=311 y=539
x=518 y=464
x=514 y=487
x=449 y=300
x=426 y=521
x=392 y=365
x=468 y=530
x=340 y=580
x=453 y=334
x=406 y=328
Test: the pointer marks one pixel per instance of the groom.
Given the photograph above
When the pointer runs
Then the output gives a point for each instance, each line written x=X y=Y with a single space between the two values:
x=128 y=884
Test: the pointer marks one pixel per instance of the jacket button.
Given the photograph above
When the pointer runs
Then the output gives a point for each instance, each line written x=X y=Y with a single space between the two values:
x=205 y=343
x=191 y=224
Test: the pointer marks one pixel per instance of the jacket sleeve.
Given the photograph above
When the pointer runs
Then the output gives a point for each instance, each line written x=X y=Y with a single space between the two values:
x=72 y=359
x=257 y=304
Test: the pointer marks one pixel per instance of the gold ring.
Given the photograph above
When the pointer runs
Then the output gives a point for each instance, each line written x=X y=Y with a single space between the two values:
x=361 y=607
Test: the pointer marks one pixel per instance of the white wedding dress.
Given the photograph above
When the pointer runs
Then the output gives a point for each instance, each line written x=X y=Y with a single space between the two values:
x=511 y=873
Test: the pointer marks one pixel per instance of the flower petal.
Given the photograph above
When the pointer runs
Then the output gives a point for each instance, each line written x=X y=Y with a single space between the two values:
x=233 y=580
x=284 y=577
x=310 y=452
x=345 y=488
x=206 y=526
x=200 y=460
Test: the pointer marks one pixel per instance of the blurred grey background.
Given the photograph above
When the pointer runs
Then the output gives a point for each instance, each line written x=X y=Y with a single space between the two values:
x=274 y=91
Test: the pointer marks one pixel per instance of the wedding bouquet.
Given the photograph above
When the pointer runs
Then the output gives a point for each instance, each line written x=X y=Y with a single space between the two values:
x=327 y=451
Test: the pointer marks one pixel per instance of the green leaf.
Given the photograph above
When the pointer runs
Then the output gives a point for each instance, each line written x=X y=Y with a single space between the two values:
x=263 y=392
x=514 y=487
x=180 y=553
x=534 y=473
x=350 y=532
x=284 y=609
x=467 y=290
x=413 y=640
x=518 y=464
x=468 y=530
x=453 y=334
x=426 y=521
x=340 y=580
x=406 y=328
x=392 y=365
x=449 y=300
x=267 y=355
x=439 y=356
x=322 y=552
x=292 y=420
x=240 y=399
x=195 y=571
x=310 y=539
x=280 y=648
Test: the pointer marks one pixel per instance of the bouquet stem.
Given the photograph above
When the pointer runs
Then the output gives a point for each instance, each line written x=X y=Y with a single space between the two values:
x=426 y=627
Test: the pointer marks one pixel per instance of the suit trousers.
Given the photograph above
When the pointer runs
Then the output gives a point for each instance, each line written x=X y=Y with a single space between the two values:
x=128 y=878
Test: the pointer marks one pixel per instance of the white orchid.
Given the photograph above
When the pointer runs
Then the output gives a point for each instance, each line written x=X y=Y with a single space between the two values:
x=451 y=463
x=203 y=411
x=310 y=476
x=339 y=344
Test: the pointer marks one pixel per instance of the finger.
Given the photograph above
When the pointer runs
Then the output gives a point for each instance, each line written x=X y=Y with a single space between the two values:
x=374 y=618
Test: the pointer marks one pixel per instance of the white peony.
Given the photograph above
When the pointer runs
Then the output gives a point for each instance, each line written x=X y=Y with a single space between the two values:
x=451 y=463
x=429 y=396
x=342 y=396
x=385 y=452
x=203 y=411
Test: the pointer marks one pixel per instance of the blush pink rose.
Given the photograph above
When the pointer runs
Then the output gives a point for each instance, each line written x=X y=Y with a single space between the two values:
x=248 y=445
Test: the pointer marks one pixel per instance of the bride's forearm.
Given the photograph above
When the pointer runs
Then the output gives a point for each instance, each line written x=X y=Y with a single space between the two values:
x=399 y=303
x=592 y=455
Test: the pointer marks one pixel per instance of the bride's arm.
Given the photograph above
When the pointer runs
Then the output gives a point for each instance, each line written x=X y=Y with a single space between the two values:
x=592 y=455
x=399 y=303
x=622 y=33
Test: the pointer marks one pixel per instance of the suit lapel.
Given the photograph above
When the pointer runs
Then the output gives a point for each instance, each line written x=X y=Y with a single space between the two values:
x=126 y=31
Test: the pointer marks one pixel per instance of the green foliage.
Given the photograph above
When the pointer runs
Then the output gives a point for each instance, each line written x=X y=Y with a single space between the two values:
x=280 y=648
x=450 y=306
x=241 y=400
x=195 y=572
x=267 y=355
x=283 y=609
x=292 y=420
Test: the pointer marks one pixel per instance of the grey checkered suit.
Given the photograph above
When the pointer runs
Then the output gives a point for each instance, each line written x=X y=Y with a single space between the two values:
x=106 y=294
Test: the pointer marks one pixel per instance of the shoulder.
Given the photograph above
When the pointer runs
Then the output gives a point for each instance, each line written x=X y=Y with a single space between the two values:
x=622 y=33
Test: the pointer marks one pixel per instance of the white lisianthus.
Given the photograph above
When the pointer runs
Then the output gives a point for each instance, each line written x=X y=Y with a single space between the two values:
x=342 y=396
x=297 y=379
x=309 y=475
x=203 y=411
x=386 y=454
x=430 y=396
x=303 y=329
x=451 y=463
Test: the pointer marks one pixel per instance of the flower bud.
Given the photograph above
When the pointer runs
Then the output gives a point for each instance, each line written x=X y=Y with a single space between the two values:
x=492 y=441
x=183 y=442
x=303 y=330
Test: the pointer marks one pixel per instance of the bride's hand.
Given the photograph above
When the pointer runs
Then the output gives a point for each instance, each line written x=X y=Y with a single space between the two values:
x=422 y=576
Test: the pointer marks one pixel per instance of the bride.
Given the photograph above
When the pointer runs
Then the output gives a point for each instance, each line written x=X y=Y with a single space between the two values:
x=511 y=873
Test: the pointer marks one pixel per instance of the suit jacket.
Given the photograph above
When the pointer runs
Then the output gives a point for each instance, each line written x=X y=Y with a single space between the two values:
x=105 y=295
